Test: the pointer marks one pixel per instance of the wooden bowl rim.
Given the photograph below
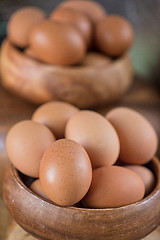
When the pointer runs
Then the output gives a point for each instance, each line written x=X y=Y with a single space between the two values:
x=78 y=66
x=155 y=191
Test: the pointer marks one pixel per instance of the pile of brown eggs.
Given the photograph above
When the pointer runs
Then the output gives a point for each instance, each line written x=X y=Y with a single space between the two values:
x=71 y=30
x=79 y=155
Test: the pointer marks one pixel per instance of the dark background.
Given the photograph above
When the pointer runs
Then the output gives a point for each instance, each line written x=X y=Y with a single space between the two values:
x=143 y=14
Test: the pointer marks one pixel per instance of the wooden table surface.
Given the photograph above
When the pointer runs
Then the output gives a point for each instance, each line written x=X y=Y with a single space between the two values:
x=141 y=97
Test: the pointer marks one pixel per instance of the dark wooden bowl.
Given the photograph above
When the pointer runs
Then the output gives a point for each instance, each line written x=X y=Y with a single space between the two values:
x=95 y=82
x=45 y=220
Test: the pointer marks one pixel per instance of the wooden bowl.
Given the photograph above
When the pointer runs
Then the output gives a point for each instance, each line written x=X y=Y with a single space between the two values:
x=47 y=221
x=97 y=81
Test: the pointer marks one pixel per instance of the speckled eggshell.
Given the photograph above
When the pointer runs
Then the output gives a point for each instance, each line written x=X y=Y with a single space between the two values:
x=92 y=9
x=21 y=23
x=57 y=43
x=80 y=21
x=114 y=186
x=138 y=139
x=65 y=172
x=96 y=135
x=55 y=115
x=36 y=188
x=146 y=175
x=113 y=35
x=26 y=142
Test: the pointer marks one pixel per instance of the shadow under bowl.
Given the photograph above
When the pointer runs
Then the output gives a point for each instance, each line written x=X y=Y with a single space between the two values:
x=98 y=80
x=45 y=220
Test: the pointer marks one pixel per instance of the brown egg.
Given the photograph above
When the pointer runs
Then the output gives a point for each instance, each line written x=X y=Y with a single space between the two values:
x=138 y=139
x=92 y=9
x=21 y=24
x=25 y=144
x=96 y=59
x=36 y=188
x=113 y=35
x=80 y=21
x=146 y=175
x=57 y=43
x=29 y=52
x=114 y=186
x=96 y=135
x=65 y=172
x=55 y=116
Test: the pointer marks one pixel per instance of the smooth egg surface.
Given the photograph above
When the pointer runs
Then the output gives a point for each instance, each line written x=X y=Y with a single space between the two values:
x=96 y=135
x=65 y=172
x=26 y=142
x=55 y=116
x=36 y=188
x=138 y=139
x=57 y=43
x=114 y=186
x=146 y=175
x=80 y=21
x=113 y=35
x=92 y=9
x=21 y=23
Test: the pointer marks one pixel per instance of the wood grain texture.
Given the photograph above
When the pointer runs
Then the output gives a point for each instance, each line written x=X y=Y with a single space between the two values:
x=4 y=218
x=47 y=221
x=85 y=85
x=14 y=231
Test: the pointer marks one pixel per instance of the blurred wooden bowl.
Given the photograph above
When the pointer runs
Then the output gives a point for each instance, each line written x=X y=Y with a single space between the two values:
x=97 y=81
x=47 y=221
